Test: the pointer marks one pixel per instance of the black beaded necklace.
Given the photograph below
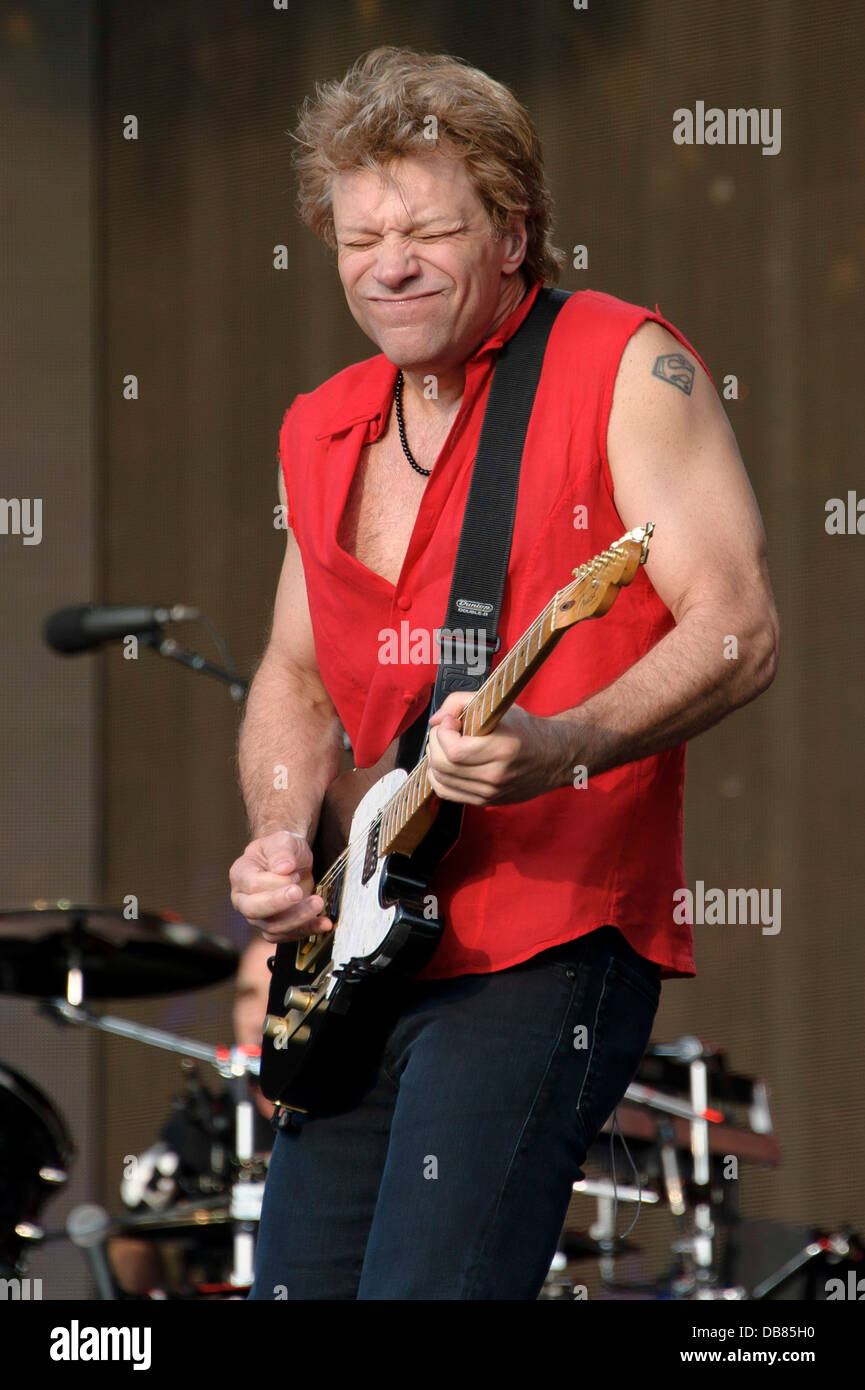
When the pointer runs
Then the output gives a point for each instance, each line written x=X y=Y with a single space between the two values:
x=397 y=396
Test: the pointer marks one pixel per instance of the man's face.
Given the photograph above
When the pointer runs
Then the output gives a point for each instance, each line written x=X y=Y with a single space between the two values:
x=422 y=274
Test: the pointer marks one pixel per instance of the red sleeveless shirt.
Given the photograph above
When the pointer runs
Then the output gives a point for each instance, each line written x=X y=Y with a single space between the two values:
x=534 y=874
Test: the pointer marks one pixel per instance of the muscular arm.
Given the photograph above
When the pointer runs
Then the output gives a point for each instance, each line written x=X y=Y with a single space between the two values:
x=674 y=461
x=290 y=733
x=288 y=754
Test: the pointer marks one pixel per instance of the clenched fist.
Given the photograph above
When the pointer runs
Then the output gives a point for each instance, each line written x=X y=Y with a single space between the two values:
x=271 y=885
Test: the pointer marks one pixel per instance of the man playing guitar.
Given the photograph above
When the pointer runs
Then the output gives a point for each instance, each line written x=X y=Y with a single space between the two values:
x=449 y=1178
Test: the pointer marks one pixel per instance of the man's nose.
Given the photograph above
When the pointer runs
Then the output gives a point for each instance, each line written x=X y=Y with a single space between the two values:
x=395 y=263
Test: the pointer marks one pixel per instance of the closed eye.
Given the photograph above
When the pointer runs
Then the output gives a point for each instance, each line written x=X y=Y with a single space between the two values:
x=418 y=236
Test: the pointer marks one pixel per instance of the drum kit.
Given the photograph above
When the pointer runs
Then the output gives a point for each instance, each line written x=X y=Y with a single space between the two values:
x=689 y=1121
x=207 y=1194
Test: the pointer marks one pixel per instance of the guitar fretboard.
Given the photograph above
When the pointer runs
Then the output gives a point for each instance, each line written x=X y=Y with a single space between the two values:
x=406 y=816
x=480 y=716
x=488 y=705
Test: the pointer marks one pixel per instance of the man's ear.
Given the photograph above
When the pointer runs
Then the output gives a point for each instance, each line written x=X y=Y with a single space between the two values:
x=516 y=241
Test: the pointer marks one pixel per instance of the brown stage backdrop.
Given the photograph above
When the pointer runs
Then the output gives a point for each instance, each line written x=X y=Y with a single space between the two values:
x=120 y=774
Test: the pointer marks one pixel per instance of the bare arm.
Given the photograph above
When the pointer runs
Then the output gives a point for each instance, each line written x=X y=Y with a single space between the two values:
x=290 y=734
x=674 y=461
x=288 y=754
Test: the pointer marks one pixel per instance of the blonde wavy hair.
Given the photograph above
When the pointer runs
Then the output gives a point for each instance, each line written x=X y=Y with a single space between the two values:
x=382 y=109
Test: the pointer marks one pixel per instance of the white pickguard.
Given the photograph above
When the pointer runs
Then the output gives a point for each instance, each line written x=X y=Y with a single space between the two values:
x=363 y=923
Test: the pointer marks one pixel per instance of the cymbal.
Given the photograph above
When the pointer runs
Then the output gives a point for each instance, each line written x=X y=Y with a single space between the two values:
x=119 y=958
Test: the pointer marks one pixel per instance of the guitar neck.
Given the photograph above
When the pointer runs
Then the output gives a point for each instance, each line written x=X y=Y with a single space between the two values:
x=407 y=816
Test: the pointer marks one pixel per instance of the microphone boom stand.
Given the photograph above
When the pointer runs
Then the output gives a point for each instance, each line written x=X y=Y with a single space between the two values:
x=166 y=646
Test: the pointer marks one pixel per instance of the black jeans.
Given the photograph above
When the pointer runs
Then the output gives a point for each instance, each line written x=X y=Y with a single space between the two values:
x=450 y=1179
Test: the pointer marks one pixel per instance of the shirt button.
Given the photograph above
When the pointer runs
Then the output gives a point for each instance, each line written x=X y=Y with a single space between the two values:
x=403 y=601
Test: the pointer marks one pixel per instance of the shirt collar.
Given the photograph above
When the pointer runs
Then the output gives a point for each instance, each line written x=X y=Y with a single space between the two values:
x=370 y=397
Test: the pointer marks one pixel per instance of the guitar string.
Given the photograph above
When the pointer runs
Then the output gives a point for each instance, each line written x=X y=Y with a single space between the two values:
x=335 y=869
x=333 y=872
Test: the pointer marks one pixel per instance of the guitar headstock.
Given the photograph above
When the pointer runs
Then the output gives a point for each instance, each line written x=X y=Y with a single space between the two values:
x=596 y=584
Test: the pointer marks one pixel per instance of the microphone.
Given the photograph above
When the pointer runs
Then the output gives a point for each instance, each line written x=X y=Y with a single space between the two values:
x=89 y=1226
x=88 y=625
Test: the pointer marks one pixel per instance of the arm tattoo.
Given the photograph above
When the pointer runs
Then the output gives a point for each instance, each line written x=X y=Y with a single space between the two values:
x=675 y=369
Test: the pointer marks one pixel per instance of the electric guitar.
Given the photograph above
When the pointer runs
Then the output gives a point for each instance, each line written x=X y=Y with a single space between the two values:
x=383 y=831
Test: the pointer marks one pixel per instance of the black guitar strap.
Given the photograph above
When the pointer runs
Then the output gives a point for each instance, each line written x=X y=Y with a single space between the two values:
x=481 y=565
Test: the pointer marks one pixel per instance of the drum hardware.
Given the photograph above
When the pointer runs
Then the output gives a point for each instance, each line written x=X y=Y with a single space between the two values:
x=558 y=1283
x=674 y=1185
x=697 y=1112
x=179 y=1221
x=593 y=1244
x=27 y=1231
x=687 y=1114
x=604 y=1189
x=191 y=1214
x=55 y=1175
x=699 y=1248
x=228 y=1061
x=35 y=1151
x=247 y=1192
x=670 y=1105
x=236 y=1064
x=826 y=1251
x=79 y=953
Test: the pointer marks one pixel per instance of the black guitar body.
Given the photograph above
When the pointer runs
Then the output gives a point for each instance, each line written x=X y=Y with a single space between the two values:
x=333 y=1056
